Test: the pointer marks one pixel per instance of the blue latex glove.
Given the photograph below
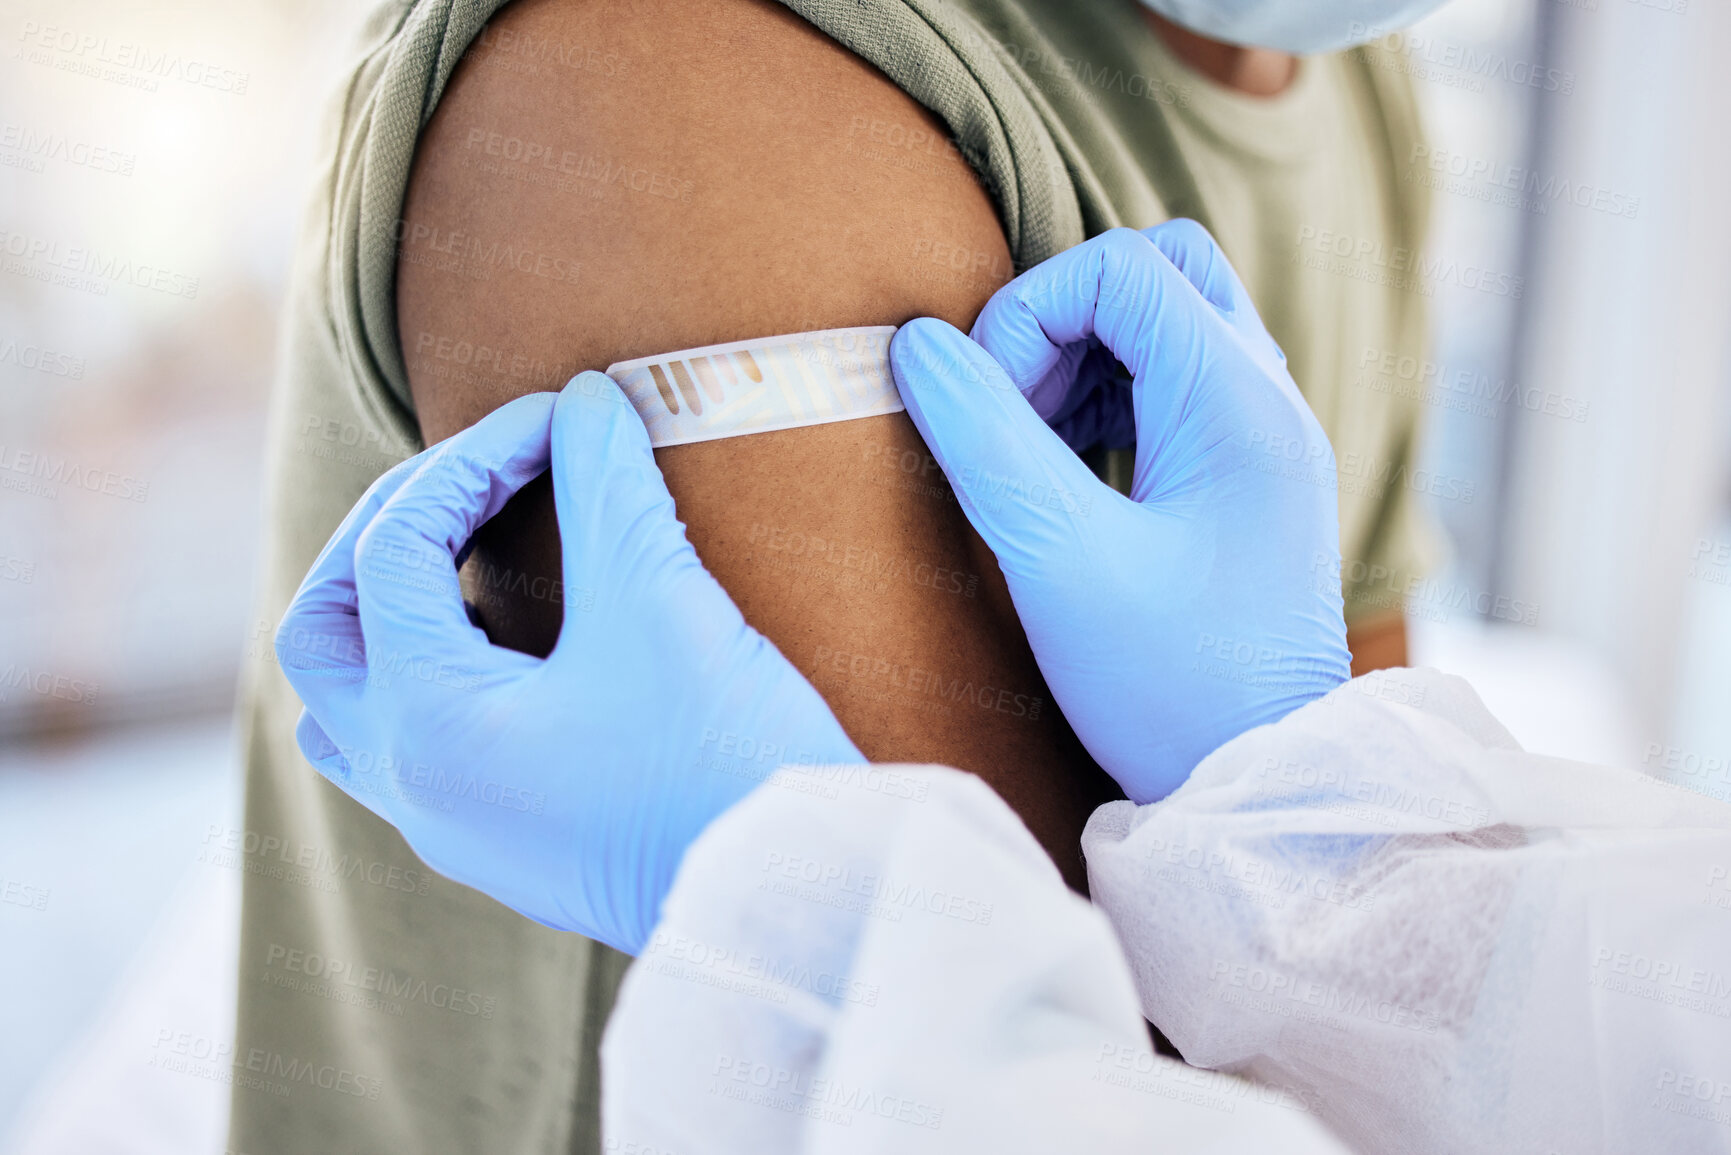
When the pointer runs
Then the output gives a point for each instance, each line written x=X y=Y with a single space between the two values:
x=1169 y=622
x=567 y=788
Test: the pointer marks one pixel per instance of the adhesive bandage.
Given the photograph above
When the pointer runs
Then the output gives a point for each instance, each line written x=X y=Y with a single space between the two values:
x=763 y=385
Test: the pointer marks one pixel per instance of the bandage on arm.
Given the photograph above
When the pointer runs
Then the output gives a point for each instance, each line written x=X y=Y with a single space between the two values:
x=608 y=182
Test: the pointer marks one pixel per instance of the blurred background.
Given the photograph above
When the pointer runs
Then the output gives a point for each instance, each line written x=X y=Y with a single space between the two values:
x=125 y=586
x=1588 y=596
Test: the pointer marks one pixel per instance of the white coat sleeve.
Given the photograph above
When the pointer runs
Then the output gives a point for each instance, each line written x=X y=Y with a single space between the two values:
x=881 y=958
x=1443 y=943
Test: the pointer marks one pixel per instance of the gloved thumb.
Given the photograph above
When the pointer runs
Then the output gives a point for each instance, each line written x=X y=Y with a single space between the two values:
x=620 y=539
x=1025 y=492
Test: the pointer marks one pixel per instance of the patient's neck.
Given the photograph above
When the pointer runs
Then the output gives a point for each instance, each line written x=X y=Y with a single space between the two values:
x=1252 y=71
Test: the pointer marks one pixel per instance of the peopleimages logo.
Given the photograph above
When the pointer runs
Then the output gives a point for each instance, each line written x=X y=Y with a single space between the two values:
x=34 y=148
x=330 y=974
x=38 y=473
x=1464 y=390
x=273 y=856
x=1535 y=189
x=47 y=685
x=1426 y=57
x=1370 y=259
x=829 y=1099
x=886 y=894
x=41 y=360
x=469 y=252
x=41 y=257
x=104 y=57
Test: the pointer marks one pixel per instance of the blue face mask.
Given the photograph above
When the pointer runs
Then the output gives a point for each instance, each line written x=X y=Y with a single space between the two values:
x=1303 y=27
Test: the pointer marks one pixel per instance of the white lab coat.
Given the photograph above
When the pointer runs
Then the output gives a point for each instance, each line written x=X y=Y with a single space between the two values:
x=1379 y=915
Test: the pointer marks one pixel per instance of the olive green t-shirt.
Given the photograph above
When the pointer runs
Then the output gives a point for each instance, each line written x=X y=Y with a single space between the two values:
x=1283 y=180
x=384 y=1008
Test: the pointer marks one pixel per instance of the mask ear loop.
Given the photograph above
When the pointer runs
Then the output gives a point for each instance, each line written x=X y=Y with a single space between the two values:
x=761 y=385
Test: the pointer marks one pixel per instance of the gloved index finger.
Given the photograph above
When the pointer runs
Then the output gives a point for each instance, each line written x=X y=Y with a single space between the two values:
x=1117 y=286
x=405 y=569
x=1194 y=252
x=1197 y=255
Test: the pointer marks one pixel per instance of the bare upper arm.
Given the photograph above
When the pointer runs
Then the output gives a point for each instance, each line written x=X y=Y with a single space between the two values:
x=613 y=179
x=718 y=171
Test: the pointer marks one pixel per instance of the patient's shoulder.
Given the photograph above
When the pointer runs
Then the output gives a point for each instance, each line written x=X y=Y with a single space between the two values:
x=616 y=178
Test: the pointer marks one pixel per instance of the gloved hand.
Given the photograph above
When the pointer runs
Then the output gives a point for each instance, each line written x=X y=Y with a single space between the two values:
x=1169 y=622
x=567 y=788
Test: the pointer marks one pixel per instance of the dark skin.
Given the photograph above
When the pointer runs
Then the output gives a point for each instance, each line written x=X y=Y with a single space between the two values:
x=1252 y=71
x=772 y=183
x=667 y=174
x=807 y=192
